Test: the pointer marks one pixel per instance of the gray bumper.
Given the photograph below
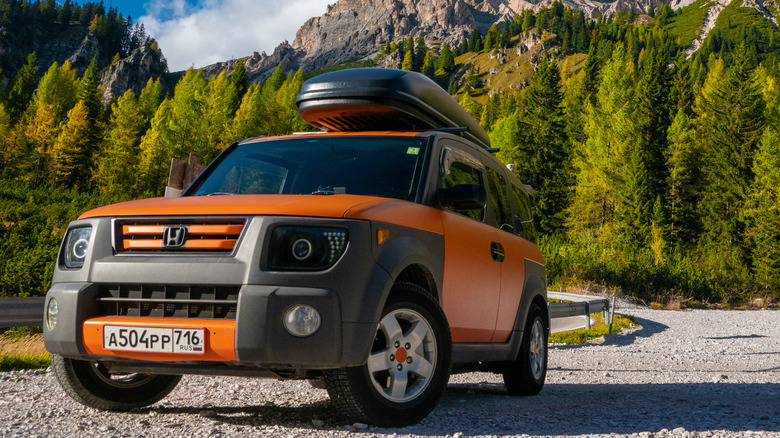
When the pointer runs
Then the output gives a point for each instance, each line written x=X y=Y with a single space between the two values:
x=260 y=337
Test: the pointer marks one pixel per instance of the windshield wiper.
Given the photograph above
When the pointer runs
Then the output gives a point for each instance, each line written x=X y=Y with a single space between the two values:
x=327 y=190
x=220 y=194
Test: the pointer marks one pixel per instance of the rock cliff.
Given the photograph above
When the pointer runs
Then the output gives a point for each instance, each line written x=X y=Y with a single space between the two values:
x=351 y=29
x=132 y=72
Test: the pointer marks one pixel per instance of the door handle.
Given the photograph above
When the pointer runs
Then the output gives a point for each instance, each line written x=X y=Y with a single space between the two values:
x=497 y=251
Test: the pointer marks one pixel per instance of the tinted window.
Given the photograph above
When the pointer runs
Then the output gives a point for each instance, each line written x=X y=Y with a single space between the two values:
x=388 y=167
x=502 y=212
x=462 y=173
x=524 y=224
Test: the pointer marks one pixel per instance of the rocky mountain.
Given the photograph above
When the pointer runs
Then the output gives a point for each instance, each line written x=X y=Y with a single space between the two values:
x=352 y=29
x=144 y=63
x=77 y=33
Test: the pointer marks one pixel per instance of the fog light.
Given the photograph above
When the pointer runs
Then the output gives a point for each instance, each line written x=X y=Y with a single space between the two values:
x=302 y=320
x=52 y=312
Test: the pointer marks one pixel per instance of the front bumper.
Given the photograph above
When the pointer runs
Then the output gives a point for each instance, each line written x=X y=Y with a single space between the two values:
x=256 y=337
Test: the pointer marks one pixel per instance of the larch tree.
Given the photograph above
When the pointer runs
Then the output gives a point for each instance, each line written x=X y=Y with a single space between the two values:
x=149 y=99
x=155 y=152
x=221 y=101
x=600 y=161
x=116 y=172
x=70 y=151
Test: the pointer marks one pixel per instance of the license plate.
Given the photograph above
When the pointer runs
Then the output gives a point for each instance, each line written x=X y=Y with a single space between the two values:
x=153 y=339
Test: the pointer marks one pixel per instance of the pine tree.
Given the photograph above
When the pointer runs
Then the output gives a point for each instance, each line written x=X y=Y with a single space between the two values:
x=681 y=93
x=652 y=124
x=446 y=60
x=427 y=66
x=23 y=88
x=7 y=151
x=764 y=212
x=544 y=161
x=736 y=109
x=452 y=87
x=239 y=78
x=591 y=80
x=684 y=159
x=421 y=50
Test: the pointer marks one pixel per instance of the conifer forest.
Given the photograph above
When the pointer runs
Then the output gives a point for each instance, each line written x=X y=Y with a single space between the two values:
x=656 y=171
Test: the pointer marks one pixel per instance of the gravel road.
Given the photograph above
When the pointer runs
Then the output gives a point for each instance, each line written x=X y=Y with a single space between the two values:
x=700 y=373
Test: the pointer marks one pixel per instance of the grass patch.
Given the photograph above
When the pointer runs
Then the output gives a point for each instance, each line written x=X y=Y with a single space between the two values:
x=22 y=352
x=597 y=330
x=686 y=24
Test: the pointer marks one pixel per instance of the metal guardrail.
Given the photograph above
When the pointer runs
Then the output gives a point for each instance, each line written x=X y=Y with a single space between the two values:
x=24 y=312
x=575 y=312
x=21 y=312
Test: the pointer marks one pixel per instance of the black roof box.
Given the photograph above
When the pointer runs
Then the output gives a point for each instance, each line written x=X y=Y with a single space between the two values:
x=379 y=99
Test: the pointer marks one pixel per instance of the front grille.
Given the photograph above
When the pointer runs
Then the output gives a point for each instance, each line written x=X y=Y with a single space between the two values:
x=211 y=302
x=172 y=235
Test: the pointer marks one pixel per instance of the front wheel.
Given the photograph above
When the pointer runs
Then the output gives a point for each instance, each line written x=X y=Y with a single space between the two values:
x=408 y=366
x=90 y=384
x=525 y=375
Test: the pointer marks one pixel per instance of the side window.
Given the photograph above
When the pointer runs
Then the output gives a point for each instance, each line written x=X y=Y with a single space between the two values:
x=499 y=200
x=524 y=222
x=462 y=173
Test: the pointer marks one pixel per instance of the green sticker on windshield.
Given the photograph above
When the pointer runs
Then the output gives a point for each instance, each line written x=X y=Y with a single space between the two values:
x=412 y=151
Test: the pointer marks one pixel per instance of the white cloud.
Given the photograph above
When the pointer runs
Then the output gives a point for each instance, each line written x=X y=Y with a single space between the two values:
x=219 y=30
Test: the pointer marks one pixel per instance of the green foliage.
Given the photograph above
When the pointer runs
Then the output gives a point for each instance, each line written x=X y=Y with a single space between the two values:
x=537 y=143
x=597 y=330
x=10 y=362
x=686 y=23
x=32 y=223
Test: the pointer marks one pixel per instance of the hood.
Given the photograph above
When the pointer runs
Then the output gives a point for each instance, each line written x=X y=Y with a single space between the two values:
x=332 y=206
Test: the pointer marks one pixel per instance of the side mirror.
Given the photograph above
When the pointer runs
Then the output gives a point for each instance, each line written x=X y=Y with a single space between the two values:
x=463 y=197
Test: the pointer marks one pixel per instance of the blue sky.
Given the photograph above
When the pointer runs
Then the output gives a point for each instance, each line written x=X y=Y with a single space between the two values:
x=201 y=32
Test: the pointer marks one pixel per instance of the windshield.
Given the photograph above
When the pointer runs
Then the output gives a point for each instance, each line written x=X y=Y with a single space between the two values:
x=374 y=166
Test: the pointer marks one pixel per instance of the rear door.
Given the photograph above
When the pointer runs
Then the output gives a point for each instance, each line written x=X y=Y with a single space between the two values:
x=500 y=215
x=472 y=275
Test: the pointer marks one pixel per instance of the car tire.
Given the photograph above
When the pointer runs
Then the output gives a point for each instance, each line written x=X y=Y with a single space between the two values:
x=90 y=384
x=526 y=374
x=408 y=366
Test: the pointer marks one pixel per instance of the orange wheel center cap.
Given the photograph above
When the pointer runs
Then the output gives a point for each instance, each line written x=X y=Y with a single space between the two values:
x=400 y=355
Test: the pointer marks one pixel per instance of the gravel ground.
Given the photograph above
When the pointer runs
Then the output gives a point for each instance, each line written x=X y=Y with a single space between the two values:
x=700 y=373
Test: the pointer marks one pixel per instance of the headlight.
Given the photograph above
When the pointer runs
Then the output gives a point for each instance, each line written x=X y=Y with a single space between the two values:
x=302 y=320
x=77 y=247
x=305 y=248
x=52 y=313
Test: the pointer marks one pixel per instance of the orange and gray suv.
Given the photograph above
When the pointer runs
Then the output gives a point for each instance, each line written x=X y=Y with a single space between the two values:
x=374 y=259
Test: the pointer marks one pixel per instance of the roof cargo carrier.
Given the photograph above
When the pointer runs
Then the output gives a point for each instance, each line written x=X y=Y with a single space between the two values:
x=378 y=99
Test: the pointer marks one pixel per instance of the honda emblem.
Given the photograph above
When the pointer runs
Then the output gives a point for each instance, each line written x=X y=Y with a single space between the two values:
x=174 y=236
